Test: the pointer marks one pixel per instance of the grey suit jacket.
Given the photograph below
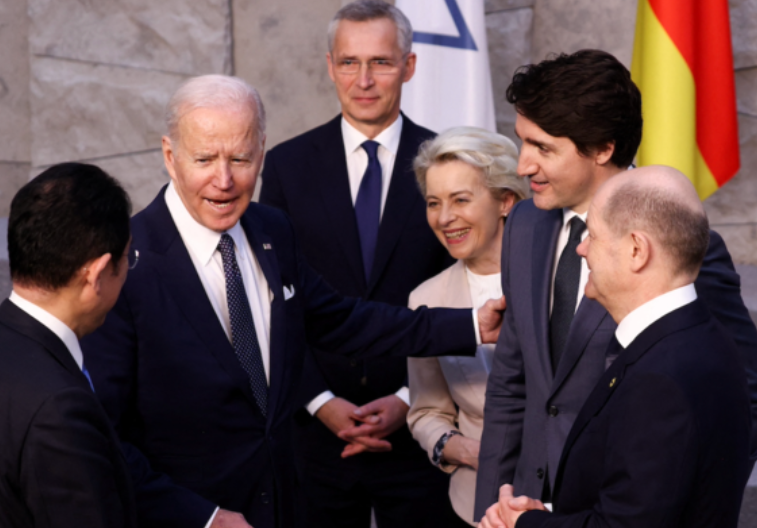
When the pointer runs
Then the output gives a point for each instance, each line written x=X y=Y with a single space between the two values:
x=529 y=409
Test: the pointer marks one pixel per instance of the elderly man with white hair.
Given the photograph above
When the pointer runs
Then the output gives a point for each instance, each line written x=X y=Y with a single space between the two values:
x=663 y=439
x=199 y=362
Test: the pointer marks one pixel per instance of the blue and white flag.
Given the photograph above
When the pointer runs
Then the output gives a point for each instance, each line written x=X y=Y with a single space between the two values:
x=452 y=83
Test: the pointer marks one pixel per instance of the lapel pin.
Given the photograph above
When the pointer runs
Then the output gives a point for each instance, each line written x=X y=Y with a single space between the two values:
x=612 y=382
x=266 y=246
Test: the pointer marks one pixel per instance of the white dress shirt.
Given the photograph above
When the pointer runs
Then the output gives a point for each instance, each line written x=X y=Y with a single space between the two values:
x=562 y=241
x=202 y=246
x=642 y=317
x=52 y=323
x=357 y=162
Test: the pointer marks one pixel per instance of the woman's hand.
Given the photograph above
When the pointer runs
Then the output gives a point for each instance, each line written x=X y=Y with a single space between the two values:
x=461 y=451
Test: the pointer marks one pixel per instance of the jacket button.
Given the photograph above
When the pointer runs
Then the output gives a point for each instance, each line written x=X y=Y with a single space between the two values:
x=540 y=473
x=553 y=411
x=264 y=497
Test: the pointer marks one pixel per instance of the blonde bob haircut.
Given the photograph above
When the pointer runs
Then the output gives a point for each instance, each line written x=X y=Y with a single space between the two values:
x=495 y=155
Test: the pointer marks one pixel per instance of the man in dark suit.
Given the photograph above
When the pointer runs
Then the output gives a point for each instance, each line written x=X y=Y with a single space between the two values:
x=200 y=360
x=663 y=439
x=68 y=236
x=321 y=179
x=579 y=117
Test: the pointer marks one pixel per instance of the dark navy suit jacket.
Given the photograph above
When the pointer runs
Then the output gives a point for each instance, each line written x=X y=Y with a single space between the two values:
x=663 y=439
x=307 y=178
x=529 y=409
x=168 y=376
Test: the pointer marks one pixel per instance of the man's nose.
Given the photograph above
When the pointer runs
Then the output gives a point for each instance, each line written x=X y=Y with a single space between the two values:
x=224 y=178
x=526 y=165
x=365 y=76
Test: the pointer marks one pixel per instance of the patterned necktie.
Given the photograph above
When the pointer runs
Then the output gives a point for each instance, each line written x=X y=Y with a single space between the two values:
x=243 y=336
x=368 y=207
x=567 y=279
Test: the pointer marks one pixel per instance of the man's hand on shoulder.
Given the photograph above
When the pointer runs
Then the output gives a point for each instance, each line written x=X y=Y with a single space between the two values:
x=490 y=319
x=229 y=519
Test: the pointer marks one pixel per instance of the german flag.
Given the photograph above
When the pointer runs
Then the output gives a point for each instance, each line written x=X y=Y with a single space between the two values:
x=683 y=65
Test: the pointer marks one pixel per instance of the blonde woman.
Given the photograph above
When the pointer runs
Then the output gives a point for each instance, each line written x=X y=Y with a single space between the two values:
x=469 y=180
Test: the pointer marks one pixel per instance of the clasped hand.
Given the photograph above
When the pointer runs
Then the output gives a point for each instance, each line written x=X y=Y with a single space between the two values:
x=506 y=512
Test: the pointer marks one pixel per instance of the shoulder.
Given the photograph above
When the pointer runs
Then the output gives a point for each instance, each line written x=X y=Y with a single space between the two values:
x=301 y=142
x=415 y=131
x=433 y=291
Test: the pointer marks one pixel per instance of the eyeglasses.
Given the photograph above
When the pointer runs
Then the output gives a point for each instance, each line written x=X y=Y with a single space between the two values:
x=375 y=66
x=133 y=258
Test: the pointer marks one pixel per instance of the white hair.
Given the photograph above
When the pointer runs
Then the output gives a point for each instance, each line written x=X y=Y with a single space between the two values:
x=494 y=154
x=365 y=10
x=213 y=91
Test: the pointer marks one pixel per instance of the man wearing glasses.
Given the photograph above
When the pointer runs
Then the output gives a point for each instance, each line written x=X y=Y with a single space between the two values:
x=349 y=189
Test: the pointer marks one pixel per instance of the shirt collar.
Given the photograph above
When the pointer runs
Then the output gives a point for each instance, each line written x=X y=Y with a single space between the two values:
x=568 y=214
x=52 y=323
x=642 y=317
x=389 y=138
x=200 y=240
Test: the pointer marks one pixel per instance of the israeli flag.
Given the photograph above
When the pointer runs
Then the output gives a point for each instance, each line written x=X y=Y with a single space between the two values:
x=452 y=84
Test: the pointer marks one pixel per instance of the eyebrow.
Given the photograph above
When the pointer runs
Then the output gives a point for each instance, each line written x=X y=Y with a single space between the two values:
x=465 y=191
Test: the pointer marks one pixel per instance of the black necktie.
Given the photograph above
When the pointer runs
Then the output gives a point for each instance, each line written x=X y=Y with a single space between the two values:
x=244 y=339
x=368 y=207
x=567 y=278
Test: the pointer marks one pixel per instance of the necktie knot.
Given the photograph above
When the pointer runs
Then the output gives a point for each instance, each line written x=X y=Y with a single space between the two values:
x=577 y=227
x=371 y=148
x=226 y=246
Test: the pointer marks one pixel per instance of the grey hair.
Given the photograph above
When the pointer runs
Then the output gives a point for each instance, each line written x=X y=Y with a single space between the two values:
x=494 y=154
x=213 y=91
x=365 y=10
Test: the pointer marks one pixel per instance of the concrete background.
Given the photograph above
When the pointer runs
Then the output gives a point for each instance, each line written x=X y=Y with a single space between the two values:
x=88 y=81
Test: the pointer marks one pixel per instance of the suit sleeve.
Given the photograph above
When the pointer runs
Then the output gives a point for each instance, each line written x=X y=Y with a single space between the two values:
x=68 y=470
x=643 y=485
x=505 y=403
x=110 y=355
x=719 y=286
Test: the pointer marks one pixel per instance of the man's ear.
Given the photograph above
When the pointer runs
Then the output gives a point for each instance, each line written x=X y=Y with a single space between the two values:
x=641 y=250
x=94 y=269
x=169 y=156
x=329 y=61
x=409 y=67
x=603 y=155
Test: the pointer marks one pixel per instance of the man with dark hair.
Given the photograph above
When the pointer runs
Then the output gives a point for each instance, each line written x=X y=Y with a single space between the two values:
x=663 y=439
x=579 y=117
x=68 y=236
x=349 y=188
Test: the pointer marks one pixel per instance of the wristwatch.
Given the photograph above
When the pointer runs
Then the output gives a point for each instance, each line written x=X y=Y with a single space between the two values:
x=436 y=457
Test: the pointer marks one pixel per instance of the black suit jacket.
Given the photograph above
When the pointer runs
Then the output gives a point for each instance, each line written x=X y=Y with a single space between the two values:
x=61 y=460
x=169 y=378
x=307 y=178
x=663 y=439
x=529 y=409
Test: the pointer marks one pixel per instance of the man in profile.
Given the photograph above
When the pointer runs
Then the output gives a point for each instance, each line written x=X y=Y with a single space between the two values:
x=663 y=439
x=68 y=237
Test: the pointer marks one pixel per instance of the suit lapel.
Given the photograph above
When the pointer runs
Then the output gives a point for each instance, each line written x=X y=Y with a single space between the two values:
x=334 y=186
x=400 y=201
x=544 y=241
x=170 y=257
x=262 y=245
x=23 y=323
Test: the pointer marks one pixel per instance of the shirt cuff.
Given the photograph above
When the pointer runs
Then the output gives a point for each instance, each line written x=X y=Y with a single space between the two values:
x=212 y=517
x=319 y=401
x=475 y=326
x=404 y=395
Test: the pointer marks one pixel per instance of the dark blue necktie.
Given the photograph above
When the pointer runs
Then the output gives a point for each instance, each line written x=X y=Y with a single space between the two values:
x=86 y=375
x=567 y=279
x=244 y=339
x=368 y=207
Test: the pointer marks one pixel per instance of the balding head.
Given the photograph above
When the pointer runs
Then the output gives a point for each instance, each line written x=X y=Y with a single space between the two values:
x=662 y=202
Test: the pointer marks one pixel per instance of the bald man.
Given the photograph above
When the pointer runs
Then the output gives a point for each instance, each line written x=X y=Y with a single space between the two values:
x=663 y=439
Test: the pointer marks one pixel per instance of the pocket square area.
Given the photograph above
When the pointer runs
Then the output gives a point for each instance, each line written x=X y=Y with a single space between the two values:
x=288 y=292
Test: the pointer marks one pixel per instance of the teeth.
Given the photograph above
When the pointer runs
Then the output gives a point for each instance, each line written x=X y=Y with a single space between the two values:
x=219 y=205
x=457 y=234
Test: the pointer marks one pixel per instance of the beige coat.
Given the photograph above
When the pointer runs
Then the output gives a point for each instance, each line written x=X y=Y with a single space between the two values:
x=437 y=384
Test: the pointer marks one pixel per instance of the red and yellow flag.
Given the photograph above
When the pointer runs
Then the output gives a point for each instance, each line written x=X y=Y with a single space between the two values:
x=683 y=65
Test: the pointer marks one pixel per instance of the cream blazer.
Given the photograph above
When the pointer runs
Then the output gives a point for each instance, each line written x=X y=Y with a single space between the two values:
x=437 y=384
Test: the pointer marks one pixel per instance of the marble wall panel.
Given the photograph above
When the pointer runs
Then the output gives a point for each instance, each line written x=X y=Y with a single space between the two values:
x=280 y=48
x=746 y=90
x=13 y=176
x=5 y=280
x=491 y=6
x=142 y=175
x=744 y=32
x=565 y=26
x=14 y=81
x=84 y=111
x=187 y=36
x=509 y=36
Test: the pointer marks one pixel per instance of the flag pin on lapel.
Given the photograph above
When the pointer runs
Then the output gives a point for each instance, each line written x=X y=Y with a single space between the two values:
x=266 y=246
x=612 y=382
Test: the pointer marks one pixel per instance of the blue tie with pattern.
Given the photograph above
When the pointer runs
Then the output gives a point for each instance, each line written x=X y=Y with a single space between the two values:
x=368 y=207
x=244 y=339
